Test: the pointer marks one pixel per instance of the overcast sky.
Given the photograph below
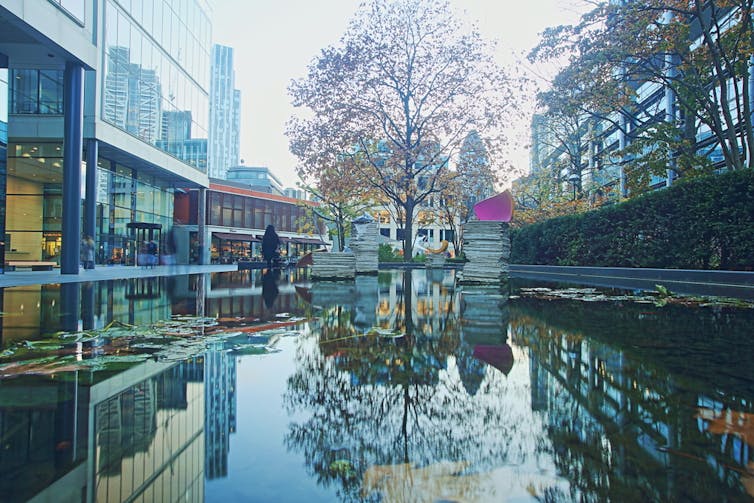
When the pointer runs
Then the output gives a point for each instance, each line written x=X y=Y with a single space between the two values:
x=274 y=41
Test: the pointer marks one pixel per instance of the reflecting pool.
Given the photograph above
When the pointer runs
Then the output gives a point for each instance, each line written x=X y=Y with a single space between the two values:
x=402 y=386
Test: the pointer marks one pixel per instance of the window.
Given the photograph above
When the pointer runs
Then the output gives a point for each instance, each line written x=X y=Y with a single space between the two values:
x=215 y=210
x=238 y=211
x=227 y=215
x=24 y=91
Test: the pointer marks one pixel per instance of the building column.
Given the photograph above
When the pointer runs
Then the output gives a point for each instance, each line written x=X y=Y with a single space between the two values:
x=90 y=196
x=201 y=234
x=623 y=190
x=670 y=72
x=73 y=143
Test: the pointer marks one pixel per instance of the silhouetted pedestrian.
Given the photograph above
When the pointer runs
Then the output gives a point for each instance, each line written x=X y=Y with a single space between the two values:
x=270 y=244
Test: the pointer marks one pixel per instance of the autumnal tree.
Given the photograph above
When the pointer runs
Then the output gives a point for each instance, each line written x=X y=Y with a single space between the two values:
x=475 y=175
x=408 y=80
x=341 y=196
x=452 y=209
x=697 y=52
x=541 y=195
x=472 y=181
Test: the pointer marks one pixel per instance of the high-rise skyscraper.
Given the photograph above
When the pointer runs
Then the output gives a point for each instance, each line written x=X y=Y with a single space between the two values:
x=225 y=114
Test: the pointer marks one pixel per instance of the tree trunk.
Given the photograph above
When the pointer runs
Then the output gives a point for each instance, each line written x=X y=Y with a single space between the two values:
x=408 y=238
x=341 y=235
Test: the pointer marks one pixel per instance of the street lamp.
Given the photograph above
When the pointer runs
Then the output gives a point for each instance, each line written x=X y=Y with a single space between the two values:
x=574 y=179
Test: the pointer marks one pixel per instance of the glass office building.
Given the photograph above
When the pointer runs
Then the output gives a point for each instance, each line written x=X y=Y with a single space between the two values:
x=118 y=91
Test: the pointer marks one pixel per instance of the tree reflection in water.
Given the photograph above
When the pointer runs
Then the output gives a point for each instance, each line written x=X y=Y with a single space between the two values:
x=387 y=409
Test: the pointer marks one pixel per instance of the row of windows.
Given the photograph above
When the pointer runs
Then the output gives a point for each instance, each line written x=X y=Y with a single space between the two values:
x=232 y=210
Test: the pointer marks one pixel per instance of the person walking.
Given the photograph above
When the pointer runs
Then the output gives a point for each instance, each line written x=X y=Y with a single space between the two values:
x=270 y=244
x=87 y=252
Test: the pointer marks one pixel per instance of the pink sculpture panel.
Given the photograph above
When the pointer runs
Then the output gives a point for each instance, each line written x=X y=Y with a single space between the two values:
x=497 y=208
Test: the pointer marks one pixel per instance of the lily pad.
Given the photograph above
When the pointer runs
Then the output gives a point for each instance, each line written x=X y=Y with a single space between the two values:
x=343 y=468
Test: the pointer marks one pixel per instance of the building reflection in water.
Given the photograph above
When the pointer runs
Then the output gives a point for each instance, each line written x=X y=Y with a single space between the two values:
x=153 y=431
x=137 y=434
x=631 y=401
x=149 y=436
x=239 y=294
x=220 y=401
x=31 y=312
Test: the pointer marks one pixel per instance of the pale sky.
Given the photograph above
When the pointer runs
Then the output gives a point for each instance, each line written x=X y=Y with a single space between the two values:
x=275 y=40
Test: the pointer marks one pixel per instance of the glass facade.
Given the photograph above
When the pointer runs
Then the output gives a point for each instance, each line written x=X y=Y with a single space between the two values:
x=34 y=202
x=153 y=81
x=251 y=215
x=155 y=76
x=34 y=205
x=123 y=197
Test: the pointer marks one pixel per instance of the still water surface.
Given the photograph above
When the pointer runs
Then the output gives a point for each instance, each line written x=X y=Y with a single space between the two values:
x=397 y=387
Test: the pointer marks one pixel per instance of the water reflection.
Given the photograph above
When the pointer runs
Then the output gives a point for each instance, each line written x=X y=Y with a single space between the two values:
x=30 y=312
x=404 y=410
x=582 y=402
x=151 y=430
x=137 y=435
x=633 y=396
x=398 y=387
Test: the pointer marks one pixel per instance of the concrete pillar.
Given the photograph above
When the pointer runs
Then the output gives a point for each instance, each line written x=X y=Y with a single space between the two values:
x=201 y=234
x=73 y=143
x=90 y=198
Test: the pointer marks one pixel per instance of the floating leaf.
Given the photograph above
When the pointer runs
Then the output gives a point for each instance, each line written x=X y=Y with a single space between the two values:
x=343 y=468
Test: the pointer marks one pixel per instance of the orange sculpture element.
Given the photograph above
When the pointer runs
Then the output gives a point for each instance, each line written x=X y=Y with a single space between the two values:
x=307 y=259
x=740 y=424
x=441 y=249
x=497 y=208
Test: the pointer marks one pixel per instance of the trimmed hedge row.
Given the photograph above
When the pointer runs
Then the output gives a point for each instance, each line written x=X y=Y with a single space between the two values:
x=702 y=223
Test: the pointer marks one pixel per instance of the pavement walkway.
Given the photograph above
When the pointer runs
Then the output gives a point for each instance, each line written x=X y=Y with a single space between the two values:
x=104 y=272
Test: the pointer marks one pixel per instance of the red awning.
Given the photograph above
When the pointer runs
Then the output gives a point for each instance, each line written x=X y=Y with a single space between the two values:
x=232 y=236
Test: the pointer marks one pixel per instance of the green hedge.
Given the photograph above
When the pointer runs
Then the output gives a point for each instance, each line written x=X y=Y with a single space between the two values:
x=702 y=223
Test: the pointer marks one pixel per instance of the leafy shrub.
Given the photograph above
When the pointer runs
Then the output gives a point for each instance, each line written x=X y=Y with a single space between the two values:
x=701 y=223
x=385 y=253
